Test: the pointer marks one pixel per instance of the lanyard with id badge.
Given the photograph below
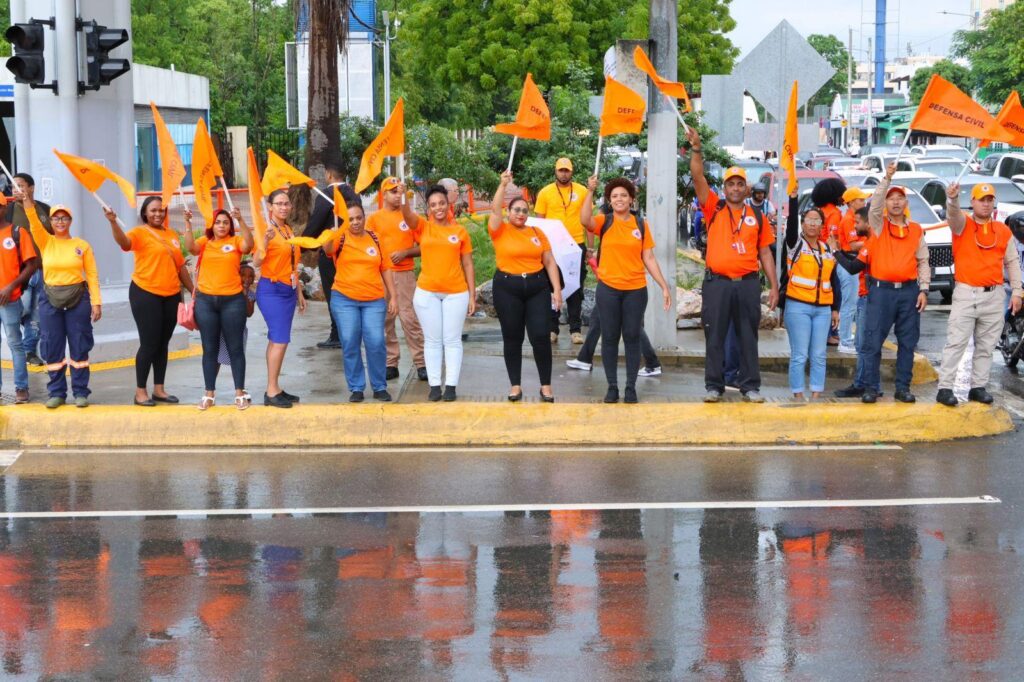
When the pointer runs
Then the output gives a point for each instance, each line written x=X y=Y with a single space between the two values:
x=737 y=244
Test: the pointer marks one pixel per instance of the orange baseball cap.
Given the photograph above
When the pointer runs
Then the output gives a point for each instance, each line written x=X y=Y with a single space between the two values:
x=983 y=190
x=896 y=188
x=60 y=208
x=563 y=164
x=734 y=172
x=854 y=193
x=389 y=183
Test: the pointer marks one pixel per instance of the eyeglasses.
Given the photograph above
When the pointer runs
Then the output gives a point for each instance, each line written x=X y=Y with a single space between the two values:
x=60 y=219
x=812 y=221
x=524 y=211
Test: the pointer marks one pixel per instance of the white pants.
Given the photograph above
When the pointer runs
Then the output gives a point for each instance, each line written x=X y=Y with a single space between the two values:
x=441 y=317
x=976 y=314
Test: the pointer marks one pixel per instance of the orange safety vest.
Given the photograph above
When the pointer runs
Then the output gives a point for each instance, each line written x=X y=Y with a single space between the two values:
x=810 y=274
x=978 y=253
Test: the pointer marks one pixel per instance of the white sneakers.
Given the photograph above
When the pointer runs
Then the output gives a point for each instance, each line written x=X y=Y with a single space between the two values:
x=846 y=350
x=650 y=371
x=579 y=364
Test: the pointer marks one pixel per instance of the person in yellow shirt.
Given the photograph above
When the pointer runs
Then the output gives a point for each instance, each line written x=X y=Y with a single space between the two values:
x=70 y=306
x=562 y=200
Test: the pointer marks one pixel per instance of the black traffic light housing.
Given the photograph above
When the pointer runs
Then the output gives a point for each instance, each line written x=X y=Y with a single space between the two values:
x=100 y=68
x=28 y=63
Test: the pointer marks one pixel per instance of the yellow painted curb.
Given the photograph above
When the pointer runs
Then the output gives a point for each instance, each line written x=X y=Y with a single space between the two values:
x=495 y=424
x=192 y=351
x=924 y=372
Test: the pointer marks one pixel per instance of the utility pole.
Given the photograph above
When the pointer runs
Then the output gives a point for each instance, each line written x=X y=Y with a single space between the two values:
x=871 y=93
x=849 y=90
x=662 y=170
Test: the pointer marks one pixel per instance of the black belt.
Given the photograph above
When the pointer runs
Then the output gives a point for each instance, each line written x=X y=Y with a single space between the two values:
x=714 y=275
x=525 y=275
x=892 y=285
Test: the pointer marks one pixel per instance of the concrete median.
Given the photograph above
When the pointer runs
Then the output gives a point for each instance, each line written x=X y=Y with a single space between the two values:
x=467 y=423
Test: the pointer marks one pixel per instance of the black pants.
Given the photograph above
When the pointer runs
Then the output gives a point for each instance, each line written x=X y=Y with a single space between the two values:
x=586 y=353
x=217 y=316
x=522 y=304
x=622 y=316
x=155 y=318
x=574 y=304
x=327 y=272
x=738 y=303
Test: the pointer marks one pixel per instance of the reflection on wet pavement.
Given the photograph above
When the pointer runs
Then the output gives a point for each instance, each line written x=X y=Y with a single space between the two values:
x=723 y=594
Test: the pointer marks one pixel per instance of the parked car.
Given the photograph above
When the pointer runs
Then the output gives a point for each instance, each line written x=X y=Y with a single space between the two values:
x=1011 y=165
x=833 y=163
x=1009 y=195
x=989 y=163
x=880 y=149
x=909 y=179
x=876 y=162
x=946 y=168
x=755 y=169
x=855 y=177
x=949 y=151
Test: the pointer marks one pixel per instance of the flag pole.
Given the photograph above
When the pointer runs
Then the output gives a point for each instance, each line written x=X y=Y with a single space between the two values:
x=227 y=194
x=7 y=172
x=906 y=139
x=321 y=193
x=106 y=207
x=401 y=172
x=512 y=155
x=675 y=108
x=597 y=162
x=967 y=165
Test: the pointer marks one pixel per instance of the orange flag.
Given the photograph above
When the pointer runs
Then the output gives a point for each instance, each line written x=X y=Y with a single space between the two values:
x=259 y=219
x=623 y=110
x=791 y=142
x=390 y=142
x=947 y=110
x=341 y=211
x=1011 y=118
x=280 y=173
x=340 y=208
x=93 y=175
x=205 y=170
x=669 y=88
x=172 y=170
x=533 y=120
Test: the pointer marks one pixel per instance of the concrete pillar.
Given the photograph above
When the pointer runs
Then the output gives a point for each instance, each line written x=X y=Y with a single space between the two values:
x=22 y=142
x=662 y=170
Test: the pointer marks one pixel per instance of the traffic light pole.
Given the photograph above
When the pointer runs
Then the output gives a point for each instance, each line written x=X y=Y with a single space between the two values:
x=66 y=40
x=22 y=104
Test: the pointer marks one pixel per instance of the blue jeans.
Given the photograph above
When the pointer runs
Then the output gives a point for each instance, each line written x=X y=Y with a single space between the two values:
x=221 y=317
x=808 y=326
x=849 y=285
x=862 y=307
x=889 y=308
x=361 y=323
x=30 y=296
x=10 y=315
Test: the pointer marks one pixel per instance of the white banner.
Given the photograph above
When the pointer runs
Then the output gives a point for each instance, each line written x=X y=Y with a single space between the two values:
x=564 y=249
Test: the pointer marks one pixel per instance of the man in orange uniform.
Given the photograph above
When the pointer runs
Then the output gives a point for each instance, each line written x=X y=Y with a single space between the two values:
x=18 y=262
x=897 y=289
x=850 y=243
x=738 y=237
x=982 y=248
x=397 y=240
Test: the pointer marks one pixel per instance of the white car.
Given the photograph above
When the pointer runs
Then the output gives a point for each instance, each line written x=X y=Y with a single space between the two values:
x=947 y=168
x=909 y=179
x=954 y=151
x=1009 y=195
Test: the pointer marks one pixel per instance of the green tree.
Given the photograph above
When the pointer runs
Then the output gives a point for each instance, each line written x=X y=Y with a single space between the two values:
x=703 y=45
x=957 y=75
x=996 y=53
x=836 y=54
x=237 y=44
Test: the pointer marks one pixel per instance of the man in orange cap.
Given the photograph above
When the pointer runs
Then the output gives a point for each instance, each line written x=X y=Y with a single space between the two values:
x=897 y=288
x=389 y=225
x=982 y=249
x=562 y=200
x=854 y=199
x=738 y=238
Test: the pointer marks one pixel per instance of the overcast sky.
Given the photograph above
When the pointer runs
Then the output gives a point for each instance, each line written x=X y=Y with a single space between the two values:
x=915 y=21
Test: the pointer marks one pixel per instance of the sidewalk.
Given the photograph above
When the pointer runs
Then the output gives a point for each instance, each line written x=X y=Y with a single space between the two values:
x=670 y=411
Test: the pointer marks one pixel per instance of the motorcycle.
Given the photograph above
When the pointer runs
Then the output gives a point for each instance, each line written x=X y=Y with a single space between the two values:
x=1011 y=342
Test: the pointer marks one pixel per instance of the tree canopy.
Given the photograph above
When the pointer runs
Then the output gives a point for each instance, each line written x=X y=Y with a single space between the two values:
x=954 y=73
x=836 y=54
x=996 y=53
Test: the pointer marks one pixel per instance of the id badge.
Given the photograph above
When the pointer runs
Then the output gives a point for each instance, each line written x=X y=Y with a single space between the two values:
x=295 y=280
x=739 y=246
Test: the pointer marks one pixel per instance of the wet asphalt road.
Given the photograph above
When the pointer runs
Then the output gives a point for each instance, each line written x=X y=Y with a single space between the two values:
x=892 y=592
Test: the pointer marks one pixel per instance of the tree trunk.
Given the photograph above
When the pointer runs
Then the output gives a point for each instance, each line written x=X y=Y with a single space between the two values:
x=327 y=19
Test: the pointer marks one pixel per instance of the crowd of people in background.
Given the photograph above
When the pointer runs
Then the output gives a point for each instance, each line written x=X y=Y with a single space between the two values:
x=852 y=272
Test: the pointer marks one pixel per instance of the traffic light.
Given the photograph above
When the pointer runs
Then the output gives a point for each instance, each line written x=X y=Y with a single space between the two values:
x=100 y=67
x=28 y=64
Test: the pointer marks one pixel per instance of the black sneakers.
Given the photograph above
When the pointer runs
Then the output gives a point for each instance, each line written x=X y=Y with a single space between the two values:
x=276 y=401
x=449 y=394
x=945 y=397
x=382 y=396
x=850 y=391
x=391 y=373
x=904 y=395
x=435 y=394
x=980 y=395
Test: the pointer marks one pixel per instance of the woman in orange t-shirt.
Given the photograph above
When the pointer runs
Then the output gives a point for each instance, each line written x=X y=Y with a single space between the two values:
x=526 y=287
x=362 y=296
x=625 y=256
x=278 y=293
x=220 y=304
x=154 y=294
x=445 y=291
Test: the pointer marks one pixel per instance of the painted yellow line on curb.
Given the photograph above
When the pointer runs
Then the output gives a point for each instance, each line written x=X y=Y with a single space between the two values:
x=190 y=352
x=479 y=424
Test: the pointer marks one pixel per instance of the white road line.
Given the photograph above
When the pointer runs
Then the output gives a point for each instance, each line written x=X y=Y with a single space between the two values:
x=474 y=449
x=477 y=508
x=8 y=457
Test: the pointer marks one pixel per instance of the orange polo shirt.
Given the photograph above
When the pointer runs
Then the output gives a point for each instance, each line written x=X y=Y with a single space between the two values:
x=622 y=265
x=12 y=255
x=894 y=258
x=359 y=267
x=519 y=251
x=394 y=234
x=847 y=230
x=157 y=259
x=442 y=248
x=219 y=270
x=281 y=259
x=728 y=228
x=833 y=220
x=978 y=253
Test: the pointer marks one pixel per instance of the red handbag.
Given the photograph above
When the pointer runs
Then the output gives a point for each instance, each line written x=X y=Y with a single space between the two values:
x=187 y=311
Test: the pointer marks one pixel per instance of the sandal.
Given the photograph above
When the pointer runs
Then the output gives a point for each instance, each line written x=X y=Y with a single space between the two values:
x=242 y=402
x=206 y=401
